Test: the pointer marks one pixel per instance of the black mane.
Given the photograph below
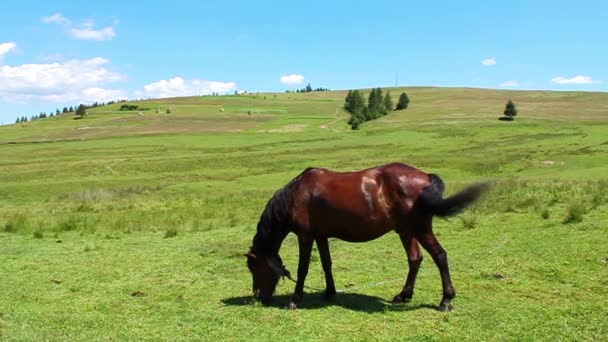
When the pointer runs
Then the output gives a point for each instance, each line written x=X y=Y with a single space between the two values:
x=275 y=222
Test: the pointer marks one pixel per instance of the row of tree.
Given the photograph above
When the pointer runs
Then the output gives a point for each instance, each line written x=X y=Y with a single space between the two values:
x=307 y=89
x=377 y=106
x=79 y=110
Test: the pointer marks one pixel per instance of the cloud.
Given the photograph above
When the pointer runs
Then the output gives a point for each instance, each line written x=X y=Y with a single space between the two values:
x=87 y=32
x=575 y=80
x=292 y=79
x=509 y=84
x=177 y=86
x=56 y=18
x=73 y=80
x=489 y=61
x=6 y=48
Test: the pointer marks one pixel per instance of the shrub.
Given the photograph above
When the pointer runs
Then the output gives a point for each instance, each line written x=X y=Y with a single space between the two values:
x=15 y=224
x=544 y=214
x=574 y=213
x=404 y=101
x=469 y=220
x=127 y=106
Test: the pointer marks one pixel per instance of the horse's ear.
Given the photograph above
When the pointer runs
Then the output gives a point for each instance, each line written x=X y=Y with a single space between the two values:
x=250 y=255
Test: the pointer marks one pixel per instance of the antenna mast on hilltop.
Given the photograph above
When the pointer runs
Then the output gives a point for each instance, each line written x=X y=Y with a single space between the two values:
x=396 y=79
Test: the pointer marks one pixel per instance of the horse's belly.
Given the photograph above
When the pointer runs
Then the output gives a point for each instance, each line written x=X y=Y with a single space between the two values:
x=358 y=233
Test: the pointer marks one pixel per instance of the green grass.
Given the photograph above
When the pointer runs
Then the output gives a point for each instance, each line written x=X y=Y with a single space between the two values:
x=119 y=226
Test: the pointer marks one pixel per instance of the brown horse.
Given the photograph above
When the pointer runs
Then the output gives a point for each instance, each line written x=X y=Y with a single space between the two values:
x=356 y=207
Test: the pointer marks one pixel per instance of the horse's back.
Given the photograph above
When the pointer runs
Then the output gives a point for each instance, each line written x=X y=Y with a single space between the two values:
x=359 y=205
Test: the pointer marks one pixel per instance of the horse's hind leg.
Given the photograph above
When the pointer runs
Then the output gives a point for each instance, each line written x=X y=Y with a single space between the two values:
x=440 y=256
x=305 y=246
x=414 y=259
x=330 y=287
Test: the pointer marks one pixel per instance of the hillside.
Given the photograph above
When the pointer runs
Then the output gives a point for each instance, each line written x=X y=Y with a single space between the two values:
x=295 y=112
x=129 y=226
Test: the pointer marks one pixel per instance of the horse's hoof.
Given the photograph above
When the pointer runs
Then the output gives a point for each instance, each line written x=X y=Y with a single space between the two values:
x=399 y=299
x=328 y=296
x=445 y=307
x=291 y=306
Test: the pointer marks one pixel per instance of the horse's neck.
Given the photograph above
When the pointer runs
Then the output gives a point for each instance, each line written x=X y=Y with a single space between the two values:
x=270 y=244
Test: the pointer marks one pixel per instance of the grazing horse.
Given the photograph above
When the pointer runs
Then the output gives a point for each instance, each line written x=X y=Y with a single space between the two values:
x=354 y=206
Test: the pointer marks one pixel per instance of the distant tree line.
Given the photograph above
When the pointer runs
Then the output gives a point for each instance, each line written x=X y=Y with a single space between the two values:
x=377 y=105
x=307 y=89
x=79 y=110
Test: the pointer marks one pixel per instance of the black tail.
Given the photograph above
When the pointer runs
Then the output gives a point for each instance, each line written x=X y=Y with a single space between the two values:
x=433 y=203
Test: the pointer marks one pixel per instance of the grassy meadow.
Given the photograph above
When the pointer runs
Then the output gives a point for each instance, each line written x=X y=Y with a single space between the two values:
x=132 y=225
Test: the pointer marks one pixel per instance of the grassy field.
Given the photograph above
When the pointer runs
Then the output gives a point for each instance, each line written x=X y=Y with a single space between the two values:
x=132 y=226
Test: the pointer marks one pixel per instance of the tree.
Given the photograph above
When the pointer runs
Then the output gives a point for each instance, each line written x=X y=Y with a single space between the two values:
x=65 y=110
x=388 y=103
x=404 y=101
x=71 y=109
x=510 y=111
x=375 y=107
x=355 y=105
x=81 y=111
x=354 y=102
x=308 y=88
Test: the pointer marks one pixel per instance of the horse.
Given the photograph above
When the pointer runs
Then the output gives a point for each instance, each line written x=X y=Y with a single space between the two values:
x=355 y=206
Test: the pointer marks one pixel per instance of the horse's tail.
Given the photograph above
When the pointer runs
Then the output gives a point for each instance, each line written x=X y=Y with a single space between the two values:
x=433 y=203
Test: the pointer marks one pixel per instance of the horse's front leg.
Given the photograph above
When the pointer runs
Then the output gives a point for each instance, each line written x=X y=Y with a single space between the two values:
x=305 y=246
x=330 y=287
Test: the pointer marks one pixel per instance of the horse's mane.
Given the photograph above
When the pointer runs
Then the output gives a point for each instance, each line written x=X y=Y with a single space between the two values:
x=275 y=220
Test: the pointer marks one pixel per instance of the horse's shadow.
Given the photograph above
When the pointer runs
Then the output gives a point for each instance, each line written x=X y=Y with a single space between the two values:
x=351 y=301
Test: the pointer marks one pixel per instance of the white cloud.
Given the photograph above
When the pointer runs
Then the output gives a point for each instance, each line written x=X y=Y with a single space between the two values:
x=489 y=61
x=6 y=48
x=177 y=86
x=56 y=18
x=87 y=32
x=292 y=79
x=575 y=80
x=73 y=80
x=509 y=84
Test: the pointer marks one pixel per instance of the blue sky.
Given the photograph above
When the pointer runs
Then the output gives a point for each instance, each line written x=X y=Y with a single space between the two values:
x=55 y=54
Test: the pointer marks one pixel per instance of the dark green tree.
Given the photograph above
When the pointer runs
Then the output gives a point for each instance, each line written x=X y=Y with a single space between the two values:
x=388 y=103
x=510 y=110
x=71 y=109
x=404 y=101
x=81 y=111
x=308 y=88
x=375 y=106
x=354 y=102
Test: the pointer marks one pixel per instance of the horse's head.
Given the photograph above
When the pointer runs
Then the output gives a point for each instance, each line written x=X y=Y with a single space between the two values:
x=266 y=271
